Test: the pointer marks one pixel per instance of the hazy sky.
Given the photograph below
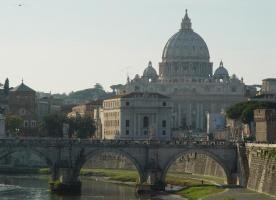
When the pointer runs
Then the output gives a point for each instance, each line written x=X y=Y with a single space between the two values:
x=66 y=45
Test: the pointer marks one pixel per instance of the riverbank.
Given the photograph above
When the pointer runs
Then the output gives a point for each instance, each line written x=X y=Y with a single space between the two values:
x=180 y=185
x=184 y=185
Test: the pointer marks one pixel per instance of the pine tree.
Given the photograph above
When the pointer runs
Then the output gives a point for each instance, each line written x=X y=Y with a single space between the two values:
x=6 y=86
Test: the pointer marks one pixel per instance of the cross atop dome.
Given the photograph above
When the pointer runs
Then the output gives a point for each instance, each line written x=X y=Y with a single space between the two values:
x=186 y=24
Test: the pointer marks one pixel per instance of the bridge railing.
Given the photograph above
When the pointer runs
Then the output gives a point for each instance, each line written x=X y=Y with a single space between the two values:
x=77 y=141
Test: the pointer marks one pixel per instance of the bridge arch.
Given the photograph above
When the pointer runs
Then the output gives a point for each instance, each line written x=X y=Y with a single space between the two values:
x=93 y=153
x=215 y=157
x=42 y=155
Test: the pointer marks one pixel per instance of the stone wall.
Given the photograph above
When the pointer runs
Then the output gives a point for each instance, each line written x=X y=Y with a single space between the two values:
x=197 y=164
x=190 y=163
x=109 y=161
x=262 y=168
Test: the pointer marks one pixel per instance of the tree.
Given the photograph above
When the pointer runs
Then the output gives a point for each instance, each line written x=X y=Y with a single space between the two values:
x=98 y=86
x=13 y=124
x=83 y=127
x=6 y=86
x=53 y=124
x=245 y=111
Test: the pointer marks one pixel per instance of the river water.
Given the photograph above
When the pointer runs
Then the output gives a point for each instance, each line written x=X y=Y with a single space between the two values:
x=36 y=188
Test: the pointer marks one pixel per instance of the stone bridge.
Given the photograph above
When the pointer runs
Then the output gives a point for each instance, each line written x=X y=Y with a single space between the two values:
x=65 y=157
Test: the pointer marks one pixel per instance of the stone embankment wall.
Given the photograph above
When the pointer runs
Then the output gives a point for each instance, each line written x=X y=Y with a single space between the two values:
x=262 y=167
x=109 y=161
x=189 y=163
x=197 y=164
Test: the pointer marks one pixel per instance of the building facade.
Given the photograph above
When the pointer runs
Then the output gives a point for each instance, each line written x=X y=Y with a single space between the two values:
x=186 y=76
x=265 y=125
x=22 y=102
x=137 y=115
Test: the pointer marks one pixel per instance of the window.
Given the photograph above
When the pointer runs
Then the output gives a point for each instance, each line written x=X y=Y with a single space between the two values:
x=163 y=132
x=127 y=132
x=127 y=123
x=164 y=123
x=146 y=122
x=145 y=132
x=127 y=103
x=26 y=123
x=164 y=103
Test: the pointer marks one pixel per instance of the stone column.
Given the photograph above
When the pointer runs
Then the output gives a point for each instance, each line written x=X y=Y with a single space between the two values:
x=2 y=126
x=178 y=115
x=153 y=175
x=189 y=114
x=201 y=117
x=65 y=181
x=197 y=116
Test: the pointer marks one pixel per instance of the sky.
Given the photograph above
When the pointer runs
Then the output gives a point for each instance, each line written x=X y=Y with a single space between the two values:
x=68 y=45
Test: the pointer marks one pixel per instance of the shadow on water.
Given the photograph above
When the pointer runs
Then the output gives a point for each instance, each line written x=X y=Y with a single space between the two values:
x=36 y=188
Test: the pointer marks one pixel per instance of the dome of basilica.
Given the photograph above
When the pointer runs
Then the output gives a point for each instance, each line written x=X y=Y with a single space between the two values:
x=185 y=44
x=150 y=72
x=221 y=72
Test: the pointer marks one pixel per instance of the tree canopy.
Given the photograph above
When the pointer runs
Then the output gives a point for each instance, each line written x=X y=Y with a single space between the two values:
x=13 y=124
x=244 y=111
x=79 y=126
x=6 y=86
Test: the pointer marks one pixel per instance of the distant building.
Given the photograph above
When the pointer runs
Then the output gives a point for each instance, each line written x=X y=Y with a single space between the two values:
x=137 y=115
x=186 y=75
x=22 y=102
x=92 y=109
x=267 y=92
x=86 y=109
x=269 y=86
x=265 y=125
x=47 y=105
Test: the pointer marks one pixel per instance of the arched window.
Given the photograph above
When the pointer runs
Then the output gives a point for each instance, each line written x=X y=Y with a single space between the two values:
x=146 y=122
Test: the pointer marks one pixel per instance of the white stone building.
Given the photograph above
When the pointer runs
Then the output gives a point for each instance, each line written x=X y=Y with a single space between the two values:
x=186 y=75
x=137 y=115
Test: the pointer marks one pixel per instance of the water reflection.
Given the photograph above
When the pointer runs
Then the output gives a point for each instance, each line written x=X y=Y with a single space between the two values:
x=36 y=188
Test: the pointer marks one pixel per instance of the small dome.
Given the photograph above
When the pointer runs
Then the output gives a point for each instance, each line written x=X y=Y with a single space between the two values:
x=221 y=72
x=150 y=72
x=185 y=44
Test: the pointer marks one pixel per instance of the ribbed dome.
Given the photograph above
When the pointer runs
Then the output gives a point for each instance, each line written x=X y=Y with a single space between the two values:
x=150 y=72
x=185 y=44
x=221 y=72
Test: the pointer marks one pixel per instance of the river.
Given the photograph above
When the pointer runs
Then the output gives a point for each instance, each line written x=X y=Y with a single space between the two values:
x=36 y=188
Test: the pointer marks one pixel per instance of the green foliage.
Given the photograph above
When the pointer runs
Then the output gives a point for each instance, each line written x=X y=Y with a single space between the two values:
x=98 y=86
x=81 y=127
x=13 y=124
x=196 y=192
x=84 y=127
x=123 y=175
x=6 y=86
x=44 y=171
x=53 y=124
x=244 y=111
x=229 y=198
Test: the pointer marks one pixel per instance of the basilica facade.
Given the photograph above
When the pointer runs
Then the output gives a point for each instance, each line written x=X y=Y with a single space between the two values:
x=186 y=76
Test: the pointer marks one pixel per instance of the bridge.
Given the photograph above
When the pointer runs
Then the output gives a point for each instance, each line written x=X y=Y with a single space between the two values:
x=152 y=159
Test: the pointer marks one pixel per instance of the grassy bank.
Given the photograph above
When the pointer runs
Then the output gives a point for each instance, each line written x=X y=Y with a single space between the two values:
x=122 y=175
x=194 y=189
x=196 y=192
